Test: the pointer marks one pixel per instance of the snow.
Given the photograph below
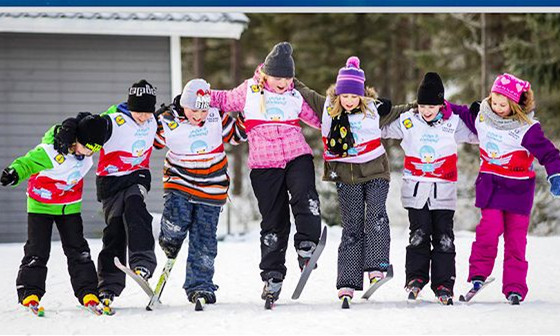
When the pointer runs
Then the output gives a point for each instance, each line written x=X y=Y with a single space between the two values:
x=240 y=310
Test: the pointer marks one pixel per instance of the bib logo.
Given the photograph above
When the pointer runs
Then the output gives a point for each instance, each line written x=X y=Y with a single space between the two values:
x=481 y=118
x=172 y=125
x=274 y=114
x=120 y=120
x=407 y=123
x=94 y=148
x=255 y=88
x=60 y=159
x=71 y=181
x=199 y=147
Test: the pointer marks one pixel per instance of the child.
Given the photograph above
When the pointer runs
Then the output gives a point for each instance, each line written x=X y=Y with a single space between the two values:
x=356 y=160
x=280 y=160
x=510 y=139
x=430 y=135
x=195 y=182
x=54 y=194
x=123 y=181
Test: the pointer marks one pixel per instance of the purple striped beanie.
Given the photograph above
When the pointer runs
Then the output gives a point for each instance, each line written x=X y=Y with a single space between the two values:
x=351 y=79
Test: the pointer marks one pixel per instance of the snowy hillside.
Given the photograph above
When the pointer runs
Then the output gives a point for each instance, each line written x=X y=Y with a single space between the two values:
x=240 y=309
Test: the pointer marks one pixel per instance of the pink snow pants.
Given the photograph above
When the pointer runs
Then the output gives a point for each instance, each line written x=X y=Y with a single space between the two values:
x=485 y=248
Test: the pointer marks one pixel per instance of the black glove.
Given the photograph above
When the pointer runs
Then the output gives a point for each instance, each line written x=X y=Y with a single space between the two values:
x=65 y=134
x=474 y=108
x=9 y=176
x=383 y=106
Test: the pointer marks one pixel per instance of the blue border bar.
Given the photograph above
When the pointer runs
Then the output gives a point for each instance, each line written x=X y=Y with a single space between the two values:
x=282 y=3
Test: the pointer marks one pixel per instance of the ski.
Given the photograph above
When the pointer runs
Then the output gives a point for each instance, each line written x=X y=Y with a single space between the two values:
x=471 y=294
x=413 y=295
x=375 y=286
x=36 y=310
x=199 y=304
x=445 y=300
x=310 y=265
x=93 y=309
x=161 y=284
x=139 y=280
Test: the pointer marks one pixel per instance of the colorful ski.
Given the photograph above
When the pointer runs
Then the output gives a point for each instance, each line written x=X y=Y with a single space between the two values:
x=470 y=294
x=138 y=279
x=161 y=284
x=375 y=286
x=310 y=265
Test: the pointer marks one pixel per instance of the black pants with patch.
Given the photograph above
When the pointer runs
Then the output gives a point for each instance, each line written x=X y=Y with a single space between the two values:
x=33 y=270
x=129 y=224
x=276 y=189
x=431 y=228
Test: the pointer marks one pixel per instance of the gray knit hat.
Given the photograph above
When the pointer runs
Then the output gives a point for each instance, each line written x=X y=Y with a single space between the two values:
x=279 y=62
x=196 y=95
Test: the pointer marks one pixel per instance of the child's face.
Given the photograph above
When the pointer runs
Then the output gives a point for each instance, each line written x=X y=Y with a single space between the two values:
x=141 y=117
x=80 y=149
x=429 y=112
x=500 y=105
x=349 y=101
x=195 y=117
x=279 y=84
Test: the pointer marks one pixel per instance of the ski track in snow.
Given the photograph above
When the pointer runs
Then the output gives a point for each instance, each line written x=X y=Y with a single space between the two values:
x=239 y=309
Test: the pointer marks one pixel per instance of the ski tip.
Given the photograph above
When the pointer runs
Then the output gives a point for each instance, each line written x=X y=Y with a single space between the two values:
x=345 y=303
x=462 y=298
x=41 y=312
x=199 y=305
x=148 y=308
x=269 y=303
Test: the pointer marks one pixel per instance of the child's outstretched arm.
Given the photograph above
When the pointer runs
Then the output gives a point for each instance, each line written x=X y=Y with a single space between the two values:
x=548 y=155
x=394 y=113
x=392 y=130
x=309 y=116
x=468 y=115
x=315 y=100
x=229 y=100
x=31 y=163
x=233 y=129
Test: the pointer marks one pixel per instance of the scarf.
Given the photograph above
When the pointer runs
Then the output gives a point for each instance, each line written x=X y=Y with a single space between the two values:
x=340 y=140
x=497 y=122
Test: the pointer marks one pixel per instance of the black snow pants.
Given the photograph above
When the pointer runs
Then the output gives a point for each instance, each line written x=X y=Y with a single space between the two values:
x=276 y=189
x=431 y=228
x=33 y=270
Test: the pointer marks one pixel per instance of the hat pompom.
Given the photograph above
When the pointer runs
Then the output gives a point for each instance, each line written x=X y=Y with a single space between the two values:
x=353 y=62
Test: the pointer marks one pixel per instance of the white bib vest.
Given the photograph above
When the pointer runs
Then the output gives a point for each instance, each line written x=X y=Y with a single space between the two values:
x=184 y=139
x=365 y=130
x=430 y=151
x=501 y=152
x=62 y=184
x=129 y=147
x=281 y=109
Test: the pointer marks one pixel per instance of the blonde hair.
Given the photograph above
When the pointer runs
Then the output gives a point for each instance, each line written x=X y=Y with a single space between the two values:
x=336 y=106
x=519 y=110
x=262 y=81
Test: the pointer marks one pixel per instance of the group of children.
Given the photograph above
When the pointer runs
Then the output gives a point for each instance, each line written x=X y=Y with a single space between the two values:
x=352 y=119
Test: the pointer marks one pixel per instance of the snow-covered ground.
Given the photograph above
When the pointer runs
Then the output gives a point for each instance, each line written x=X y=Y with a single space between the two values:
x=240 y=310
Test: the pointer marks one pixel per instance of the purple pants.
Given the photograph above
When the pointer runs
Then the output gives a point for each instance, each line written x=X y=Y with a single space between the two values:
x=485 y=248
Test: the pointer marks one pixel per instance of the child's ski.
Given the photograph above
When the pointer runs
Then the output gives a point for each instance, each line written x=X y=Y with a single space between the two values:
x=139 y=280
x=310 y=265
x=470 y=294
x=36 y=309
x=93 y=309
x=161 y=284
x=375 y=286
x=199 y=304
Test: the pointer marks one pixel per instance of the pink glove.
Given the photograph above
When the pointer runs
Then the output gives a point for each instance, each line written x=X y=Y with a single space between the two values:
x=446 y=110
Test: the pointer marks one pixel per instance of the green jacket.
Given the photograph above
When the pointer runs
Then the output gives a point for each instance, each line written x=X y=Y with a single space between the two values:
x=32 y=163
x=352 y=173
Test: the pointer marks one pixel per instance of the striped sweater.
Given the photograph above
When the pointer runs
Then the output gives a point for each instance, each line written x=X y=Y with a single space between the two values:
x=196 y=162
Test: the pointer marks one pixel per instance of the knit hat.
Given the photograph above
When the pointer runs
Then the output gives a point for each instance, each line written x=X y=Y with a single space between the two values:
x=430 y=91
x=91 y=132
x=142 y=97
x=279 y=62
x=196 y=95
x=351 y=79
x=510 y=86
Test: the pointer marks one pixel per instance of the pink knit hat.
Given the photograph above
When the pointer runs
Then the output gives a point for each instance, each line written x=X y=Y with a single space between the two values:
x=510 y=86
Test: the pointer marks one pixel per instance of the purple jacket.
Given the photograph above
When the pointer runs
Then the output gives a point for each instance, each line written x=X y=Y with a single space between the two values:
x=496 y=192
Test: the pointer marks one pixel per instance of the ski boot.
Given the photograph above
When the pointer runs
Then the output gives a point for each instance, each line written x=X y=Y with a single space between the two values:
x=106 y=299
x=413 y=288
x=271 y=292
x=305 y=251
x=375 y=276
x=31 y=302
x=444 y=295
x=91 y=303
x=514 y=298
x=346 y=294
x=201 y=298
